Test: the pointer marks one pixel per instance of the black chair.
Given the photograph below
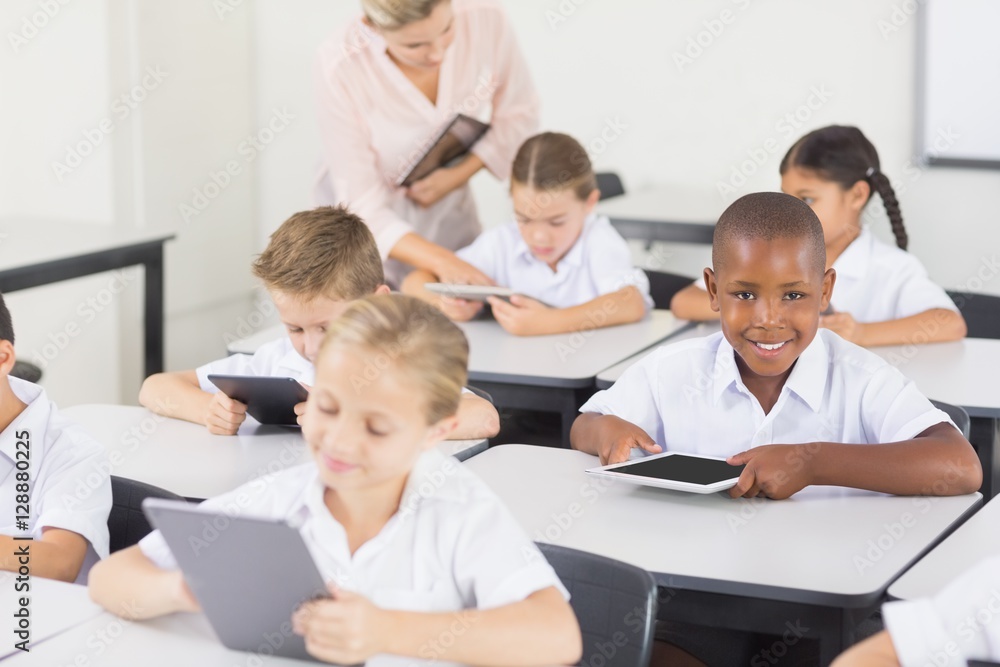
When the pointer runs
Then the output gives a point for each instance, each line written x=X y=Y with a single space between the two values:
x=610 y=185
x=981 y=313
x=957 y=414
x=663 y=286
x=615 y=604
x=126 y=523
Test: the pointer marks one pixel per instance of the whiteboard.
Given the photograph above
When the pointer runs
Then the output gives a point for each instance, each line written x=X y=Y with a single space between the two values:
x=958 y=83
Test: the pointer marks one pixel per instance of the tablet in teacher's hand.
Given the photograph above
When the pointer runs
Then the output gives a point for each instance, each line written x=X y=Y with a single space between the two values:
x=671 y=470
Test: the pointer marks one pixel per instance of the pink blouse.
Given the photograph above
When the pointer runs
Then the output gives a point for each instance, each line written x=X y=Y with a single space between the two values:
x=373 y=121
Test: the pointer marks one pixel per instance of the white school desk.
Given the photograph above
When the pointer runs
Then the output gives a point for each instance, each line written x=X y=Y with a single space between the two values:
x=823 y=557
x=188 y=460
x=34 y=253
x=53 y=607
x=975 y=540
x=664 y=213
x=610 y=375
x=555 y=373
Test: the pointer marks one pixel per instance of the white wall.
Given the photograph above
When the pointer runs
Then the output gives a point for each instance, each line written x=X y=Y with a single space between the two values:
x=693 y=124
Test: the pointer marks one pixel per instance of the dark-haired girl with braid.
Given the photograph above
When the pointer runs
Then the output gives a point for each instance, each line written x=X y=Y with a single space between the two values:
x=883 y=295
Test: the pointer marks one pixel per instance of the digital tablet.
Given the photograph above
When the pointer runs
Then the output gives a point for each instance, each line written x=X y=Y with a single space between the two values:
x=681 y=472
x=454 y=141
x=249 y=575
x=269 y=400
x=470 y=292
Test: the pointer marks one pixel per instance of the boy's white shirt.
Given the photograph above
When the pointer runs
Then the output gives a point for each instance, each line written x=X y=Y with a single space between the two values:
x=689 y=397
x=600 y=262
x=878 y=282
x=960 y=623
x=70 y=477
x=277 y=357
x=452 y=545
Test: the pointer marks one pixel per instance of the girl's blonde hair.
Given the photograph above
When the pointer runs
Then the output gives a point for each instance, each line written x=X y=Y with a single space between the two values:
x=412 y=336
x=552 y=161
x=394 y=14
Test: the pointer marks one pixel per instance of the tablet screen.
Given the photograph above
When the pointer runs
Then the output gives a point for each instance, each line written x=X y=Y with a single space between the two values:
x=680 y=468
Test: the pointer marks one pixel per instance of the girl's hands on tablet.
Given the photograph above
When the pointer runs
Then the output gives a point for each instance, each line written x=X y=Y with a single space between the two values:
x=522 y=316
x=346 y=629
x=300 y=408
x=459 y=310
x=775 y=471
x=625 y=437
x=224 y=415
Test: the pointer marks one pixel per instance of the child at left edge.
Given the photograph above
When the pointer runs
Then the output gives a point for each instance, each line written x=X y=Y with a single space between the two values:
x=53 y=474
x=570 y=268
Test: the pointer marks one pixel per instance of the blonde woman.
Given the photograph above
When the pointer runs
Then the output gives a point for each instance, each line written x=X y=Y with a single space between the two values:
x=386 y=85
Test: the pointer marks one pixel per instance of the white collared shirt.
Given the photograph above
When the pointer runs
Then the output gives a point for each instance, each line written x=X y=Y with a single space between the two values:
x=452 y=544
x=70 y=483
x=599 y=263
x=877 y=282
x=277 y=358
x=960 y=623
x=689 y=397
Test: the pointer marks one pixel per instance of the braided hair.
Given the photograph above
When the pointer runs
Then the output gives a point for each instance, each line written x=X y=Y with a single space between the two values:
x=842 y=154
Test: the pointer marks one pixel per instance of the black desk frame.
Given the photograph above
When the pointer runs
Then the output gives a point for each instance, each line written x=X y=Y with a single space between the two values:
x=147 y=253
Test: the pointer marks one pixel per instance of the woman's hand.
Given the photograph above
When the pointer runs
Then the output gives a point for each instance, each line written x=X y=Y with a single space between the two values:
x=432 y=188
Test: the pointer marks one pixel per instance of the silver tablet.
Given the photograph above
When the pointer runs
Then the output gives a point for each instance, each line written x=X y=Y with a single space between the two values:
x=470 y=292
x=248 y=574
x=680 y=472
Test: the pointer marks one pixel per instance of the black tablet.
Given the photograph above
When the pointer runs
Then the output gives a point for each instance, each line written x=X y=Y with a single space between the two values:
x=681 y=472
x=269 y=400
x=248 y=600
x=452 y=142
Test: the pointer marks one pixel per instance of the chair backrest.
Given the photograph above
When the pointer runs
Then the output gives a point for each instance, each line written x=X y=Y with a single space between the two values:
x=981 y=313
x=957 y=414
x=663 y=286
x=127 y=523
x=615 y=604
x=610 y=184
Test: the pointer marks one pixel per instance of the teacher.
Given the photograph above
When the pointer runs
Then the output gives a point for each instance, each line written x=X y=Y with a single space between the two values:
x=386 y=86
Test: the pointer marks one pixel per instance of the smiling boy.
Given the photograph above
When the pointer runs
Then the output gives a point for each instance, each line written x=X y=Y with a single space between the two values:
x=799 y=406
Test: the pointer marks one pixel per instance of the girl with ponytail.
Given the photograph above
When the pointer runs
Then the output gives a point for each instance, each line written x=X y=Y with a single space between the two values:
x=882 y=294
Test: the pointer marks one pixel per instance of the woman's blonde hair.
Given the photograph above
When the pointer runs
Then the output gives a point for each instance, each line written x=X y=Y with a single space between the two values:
x=394 y=14
x=411 y=336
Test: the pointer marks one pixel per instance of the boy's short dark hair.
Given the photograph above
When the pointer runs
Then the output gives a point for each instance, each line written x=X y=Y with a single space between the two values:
x=327 y=251
x=6 y=324
x=768 y=216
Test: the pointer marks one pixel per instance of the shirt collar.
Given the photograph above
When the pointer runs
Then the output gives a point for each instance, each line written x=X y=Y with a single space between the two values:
x=807 y=379
x=35 y=415
x=853 y=262
x=573 y=258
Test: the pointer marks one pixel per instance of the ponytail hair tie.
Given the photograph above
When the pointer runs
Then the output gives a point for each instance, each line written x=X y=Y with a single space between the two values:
x=871 y=172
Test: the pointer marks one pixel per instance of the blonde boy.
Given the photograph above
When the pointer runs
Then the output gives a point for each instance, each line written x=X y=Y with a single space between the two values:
x=315 y=265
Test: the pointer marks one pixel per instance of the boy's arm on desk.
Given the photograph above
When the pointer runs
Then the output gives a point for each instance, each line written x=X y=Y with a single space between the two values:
x=130 y=585
x=609 y=437
x=59 y=554
x=179 y=395
x=525 y=316
x=938 y=462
